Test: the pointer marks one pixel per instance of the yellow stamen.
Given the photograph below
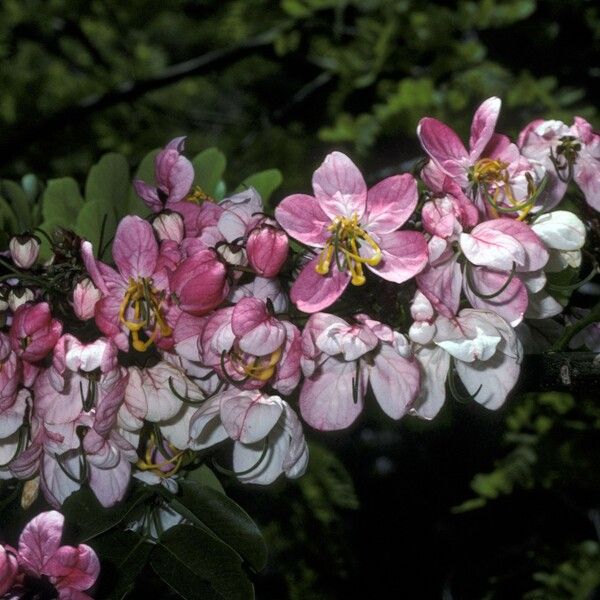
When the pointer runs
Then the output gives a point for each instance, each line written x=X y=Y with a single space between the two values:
x=146 y=303
x=345 y=242
x=198 y=196
x=147 y=463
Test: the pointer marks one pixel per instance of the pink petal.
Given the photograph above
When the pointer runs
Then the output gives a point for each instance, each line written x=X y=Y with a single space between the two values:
x=302 y=218
x=394 y=380
x=435 y=363
x=148 y=194
x=109 y=485
x=75 y=568
x=483 y=125
x=440 y=142
x=39 y=541
x=404 y=254
x=490 y=247
x=312 y=292
x=511 y=304
x=339 y=187
x=326 y=399
x=441 y=285
x=257 y=331
x=135 y=249
x=390 y=203
x=250 y=416
x=587 y=177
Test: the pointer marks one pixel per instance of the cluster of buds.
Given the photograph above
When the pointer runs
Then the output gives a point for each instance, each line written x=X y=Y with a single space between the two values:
x=208 y=328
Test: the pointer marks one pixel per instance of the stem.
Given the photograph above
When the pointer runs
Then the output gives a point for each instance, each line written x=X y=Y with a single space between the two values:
x=572 y=330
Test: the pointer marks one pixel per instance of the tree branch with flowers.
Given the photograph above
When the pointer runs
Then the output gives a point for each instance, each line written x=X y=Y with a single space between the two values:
x=146 y=345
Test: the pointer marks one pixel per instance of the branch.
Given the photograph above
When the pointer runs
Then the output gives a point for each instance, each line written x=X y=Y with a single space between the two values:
x=20 y=137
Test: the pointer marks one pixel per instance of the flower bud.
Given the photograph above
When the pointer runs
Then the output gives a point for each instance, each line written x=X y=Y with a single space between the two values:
x=200 y=283
x=168 y=225
x=24 y=250
x=267 y=249
x=34 y=333
x=19 y=296
x=85 y=296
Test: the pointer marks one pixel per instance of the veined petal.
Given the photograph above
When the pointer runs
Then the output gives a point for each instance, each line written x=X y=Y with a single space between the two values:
x=135 y=249
x=483 y=125
x=303 y=219
x=257 y=331
x=339 y=187
x=312 y=292
x=491 y=248
x=440 y=142
x=39 y=541
x=390 y=203
x=404 y=254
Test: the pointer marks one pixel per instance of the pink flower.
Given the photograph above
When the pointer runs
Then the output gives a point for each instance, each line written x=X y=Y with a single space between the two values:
x=24 y=250
x=267 y=249
x=200 y=282
x=135 y=297
x=174 y=177
x=267 y=433
x=339 y=362
x=352 y=228
x=250 y=347
x=85 y=297
x=71 y=570
x=566 y=153
x=492 y=170
x=34 y=333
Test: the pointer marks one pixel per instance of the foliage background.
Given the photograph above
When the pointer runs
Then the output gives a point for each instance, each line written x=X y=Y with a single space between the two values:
x=279 y=84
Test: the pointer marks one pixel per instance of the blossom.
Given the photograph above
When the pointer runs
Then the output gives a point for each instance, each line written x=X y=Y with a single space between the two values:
x=34 y=333
x=339 y=362
x=85 y=297
x=267 y=434
x=566 y=153
x=70 y=570
x=492 y=170
x=351 y=228
x=134 y=297
x=24 y=250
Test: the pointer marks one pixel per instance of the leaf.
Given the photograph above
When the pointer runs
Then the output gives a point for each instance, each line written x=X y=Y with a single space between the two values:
x=89 y=223
x=19 y=203
x=107 y=182
x=185 y=549
x=265 y=182
x=8 y=220
x=225 y=519
x=92 y=519
x=205 y=476
x=61 y=201
x=123 y=555
x=209 y=167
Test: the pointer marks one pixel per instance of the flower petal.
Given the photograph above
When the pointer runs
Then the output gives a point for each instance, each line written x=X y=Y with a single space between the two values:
x=483 y=125
x=390 y=203
x=404 y=254
x=135 y=249
x=303 y=219
x=39 y=541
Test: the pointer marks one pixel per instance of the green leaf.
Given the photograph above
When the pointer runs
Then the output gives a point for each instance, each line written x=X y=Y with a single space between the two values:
x=225 y=519
x=107 y=182
x=185 y=550
x=19 y=203
x=8 y=220
x=123 y=554
x=265 y=183
x=89 y=223
x=209 y=167
x=61 y=201
x=91 y=518
x=205 y=476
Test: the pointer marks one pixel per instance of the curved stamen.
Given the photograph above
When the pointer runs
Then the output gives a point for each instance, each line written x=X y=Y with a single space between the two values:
x=23 y=431
x=232 y=473
x=452 y=384
x=481 y=295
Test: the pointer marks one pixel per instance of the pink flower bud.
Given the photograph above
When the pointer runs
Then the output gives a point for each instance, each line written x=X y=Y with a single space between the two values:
x=200 y=283
x=85 y=296
x=267 y=249
x=34 y=332
x=168 y=225
x=19 y=296
x=24 y=250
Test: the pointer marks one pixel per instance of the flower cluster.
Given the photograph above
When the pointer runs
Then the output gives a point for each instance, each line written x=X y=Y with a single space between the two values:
x=41 y=568
x=208 y=323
